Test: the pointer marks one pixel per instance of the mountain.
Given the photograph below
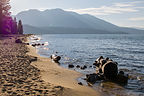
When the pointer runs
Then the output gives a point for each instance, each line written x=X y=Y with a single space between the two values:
x=60 y=21
x=62 y=30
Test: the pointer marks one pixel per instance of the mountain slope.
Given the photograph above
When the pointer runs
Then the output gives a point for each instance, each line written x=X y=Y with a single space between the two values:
x=53 y=18
x=50 y=21
x=61 y=30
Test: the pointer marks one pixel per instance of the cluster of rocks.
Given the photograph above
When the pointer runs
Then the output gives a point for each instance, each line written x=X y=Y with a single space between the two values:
x=17 y=76
x=107 y=70
x=38 y=44
x=78 y=66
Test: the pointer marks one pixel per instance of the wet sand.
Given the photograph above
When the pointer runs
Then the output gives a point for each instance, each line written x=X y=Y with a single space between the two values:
x=24 y=73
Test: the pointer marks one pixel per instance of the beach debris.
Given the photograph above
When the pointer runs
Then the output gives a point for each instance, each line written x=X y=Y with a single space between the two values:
x=18 y=41
x=55 y=58
x=71 y=66
x=107 y=70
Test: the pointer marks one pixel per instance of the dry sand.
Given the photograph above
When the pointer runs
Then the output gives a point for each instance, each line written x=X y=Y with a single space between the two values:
x=28 y=74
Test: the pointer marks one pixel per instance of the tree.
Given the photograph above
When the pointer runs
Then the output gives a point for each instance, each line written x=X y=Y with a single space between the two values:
x=8 y=25
x=5 y=18
x=20 y=27
x=14 y=26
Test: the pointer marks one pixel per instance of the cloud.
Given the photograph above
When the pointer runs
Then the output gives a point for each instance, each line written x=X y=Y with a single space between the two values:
x=123 y=4
x=137 y=19
x=116 y=8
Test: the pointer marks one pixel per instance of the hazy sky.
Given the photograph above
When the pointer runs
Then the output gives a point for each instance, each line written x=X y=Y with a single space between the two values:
x=128 y=13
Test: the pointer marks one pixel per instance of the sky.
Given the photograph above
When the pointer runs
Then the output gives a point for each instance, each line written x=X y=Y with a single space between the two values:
x=125 y=13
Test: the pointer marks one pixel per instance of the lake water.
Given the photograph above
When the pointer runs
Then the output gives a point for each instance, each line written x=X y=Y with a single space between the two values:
x=84 y=49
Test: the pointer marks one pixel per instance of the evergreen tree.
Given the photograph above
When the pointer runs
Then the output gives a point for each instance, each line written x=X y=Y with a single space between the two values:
x=14 y=26
x=8 y=25
x=20 y=27
x=5 y=18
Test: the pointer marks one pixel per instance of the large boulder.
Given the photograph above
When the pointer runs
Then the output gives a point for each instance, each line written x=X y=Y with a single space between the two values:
x=110 y=70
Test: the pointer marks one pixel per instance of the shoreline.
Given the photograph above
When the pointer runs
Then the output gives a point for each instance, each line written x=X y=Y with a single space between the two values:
x=17 y=76
x=64 y=78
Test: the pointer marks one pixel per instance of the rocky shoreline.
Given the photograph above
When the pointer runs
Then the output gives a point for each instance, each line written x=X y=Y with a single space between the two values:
x=17 y=76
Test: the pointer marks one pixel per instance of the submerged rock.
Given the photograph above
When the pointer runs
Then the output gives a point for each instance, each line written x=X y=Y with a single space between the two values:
x=71 y=66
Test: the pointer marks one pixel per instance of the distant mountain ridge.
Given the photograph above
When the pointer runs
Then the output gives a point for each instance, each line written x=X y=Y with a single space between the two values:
x=59 y=21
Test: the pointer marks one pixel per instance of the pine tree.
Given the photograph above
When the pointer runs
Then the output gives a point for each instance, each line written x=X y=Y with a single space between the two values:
x=5 y=18
x=20 y=27
x=14 y=26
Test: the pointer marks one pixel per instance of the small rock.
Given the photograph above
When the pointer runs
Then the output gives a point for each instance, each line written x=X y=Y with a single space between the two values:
x=18 y=41
x=80 y=83
x=84 y=67
x=71 y=66
x=77 y=66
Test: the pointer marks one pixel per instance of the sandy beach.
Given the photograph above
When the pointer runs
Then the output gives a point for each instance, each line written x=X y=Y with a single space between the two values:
x=24 y=73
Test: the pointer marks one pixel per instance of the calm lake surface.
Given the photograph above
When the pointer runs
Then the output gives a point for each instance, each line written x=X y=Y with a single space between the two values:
x=84 y=49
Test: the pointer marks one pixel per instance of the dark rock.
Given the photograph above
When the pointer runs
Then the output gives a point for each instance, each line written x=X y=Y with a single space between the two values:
x=18 y=41
x=55 y=58
x=121 y=72
x=107 y=58
x=98 y=60
x=80 y=83
x=34 y=45
x=84 y=67
x=122 y=79
x=110 y=70
x=100 y=70
x=90 y=66
x=27 y=44
x=102 y=62
x=77 y=66
x=96 y=64
x=38 y=44
x=71 y=66
x=92 y=78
